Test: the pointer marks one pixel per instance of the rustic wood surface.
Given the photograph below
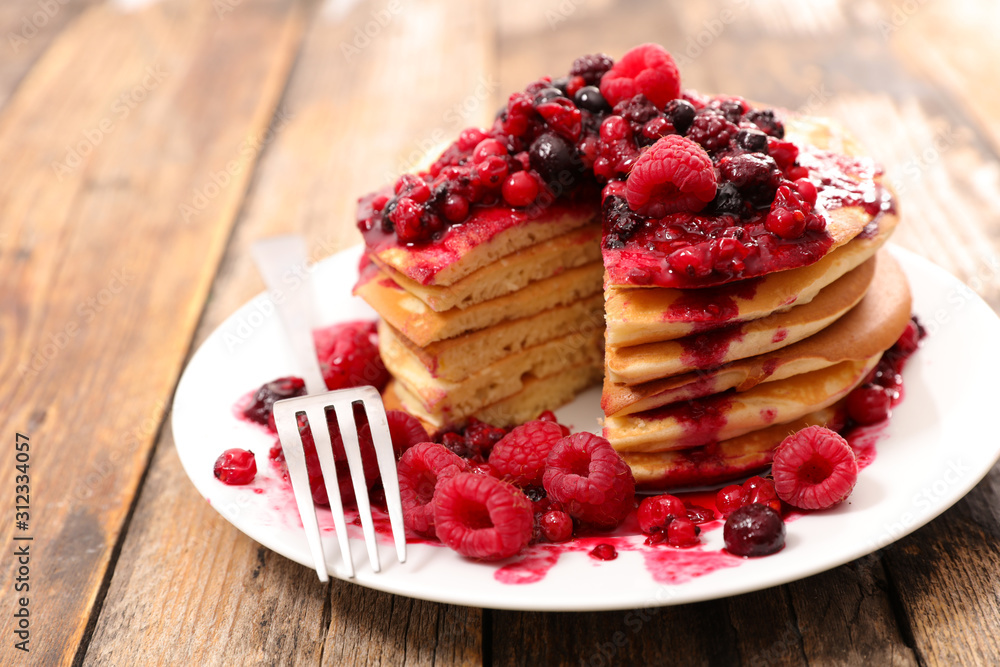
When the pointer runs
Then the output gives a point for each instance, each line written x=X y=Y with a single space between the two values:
x=145 y=146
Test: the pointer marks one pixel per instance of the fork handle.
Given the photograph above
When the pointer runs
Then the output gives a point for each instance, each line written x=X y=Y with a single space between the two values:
x=281 y=261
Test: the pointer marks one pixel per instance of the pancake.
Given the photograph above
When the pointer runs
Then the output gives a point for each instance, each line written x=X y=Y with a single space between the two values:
x=482 y=239
x=645 y=315
x=723 y=461
x=509 y=273
x=537 y=396
x=457 y=358
x=844 y=176
x=454 y=401
x=731 y=414
x=868 y=328
x=652 y=361
x=415 y=320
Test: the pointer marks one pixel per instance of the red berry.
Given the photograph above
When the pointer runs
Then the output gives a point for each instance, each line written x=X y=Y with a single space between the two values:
x=869 y=404
x=520 y=456
x=909 y=341
x=763 y=494
x=404 y=429
x=754 y=530
x=682 y=533
x=481 y=517
x=420 y=469
x=785 y=153
x=469 y=138
x=574 y=84
x=556 y=526
x=657 y=512
x=730 y=498
x=520 y=189
x=697 y=514
x=647 y=69
x=604 y=552
x=405 y=218
x=348 y=356
x=549 y=416
x=674 y=175
x=492 y=171
x=455 y=208
x=615 y=128
x=487 y=148
x=235 y=467
x=563 y=117
x=814 y=469
x=588 y=478
x=480 y=437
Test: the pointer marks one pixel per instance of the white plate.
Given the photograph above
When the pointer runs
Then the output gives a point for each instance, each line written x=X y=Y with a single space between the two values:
x=939 y=444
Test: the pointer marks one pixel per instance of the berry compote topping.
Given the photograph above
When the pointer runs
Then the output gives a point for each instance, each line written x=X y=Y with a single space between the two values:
x=872 y=401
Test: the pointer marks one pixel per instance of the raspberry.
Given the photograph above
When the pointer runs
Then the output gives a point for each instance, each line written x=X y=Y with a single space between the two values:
x=657 y=512
x=814 y=469
x=235 y=467
x=754 y=530
x=674 y=175
x=404 y=429
x=711 y=129
x=869 y=404
x=556 y=526
x=647 y=69
x=520 y=455
x=481 y=517
x=588 y=478
x=682 y=533
x=261 y=409
x=420 y=469
x=348 y=356
x=591 y=67
x=549 y=416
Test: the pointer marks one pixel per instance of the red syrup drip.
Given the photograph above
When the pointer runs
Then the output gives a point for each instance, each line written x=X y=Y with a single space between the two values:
x=701 y=419
x=711 y=306
x=706 y=350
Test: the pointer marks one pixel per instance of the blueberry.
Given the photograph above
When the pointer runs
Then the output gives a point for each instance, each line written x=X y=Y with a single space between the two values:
x=727 y=200
x=752 y=141
x=681 y=114
x=554 y=158
x=754 y=530
x=547 y=95
x=590 y=98
x=561 y=84
x=756 y=176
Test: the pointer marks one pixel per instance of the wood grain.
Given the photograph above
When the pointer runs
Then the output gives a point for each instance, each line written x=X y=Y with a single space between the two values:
x=102 y=289
x=334 y=109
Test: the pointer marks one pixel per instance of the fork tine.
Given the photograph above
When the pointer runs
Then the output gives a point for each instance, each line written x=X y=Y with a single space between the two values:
x=349 y=434
x=316 y=416
x=295 y=461
x=382 y=439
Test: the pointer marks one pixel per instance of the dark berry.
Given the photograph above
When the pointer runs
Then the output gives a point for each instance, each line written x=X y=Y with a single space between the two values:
x=546 y=95
x=731 y=110
x=235 y=467
x=260 y=409
x=680 y=113
x=727 y=200
x=480 y=437
x=553 y=158
x=711 y=129
x=756 y=176
x=752 y=141
x=592 y=67
x=754 y=530
x=767 y=121
x=637 y=110
x=561 y=83
x=590 y=98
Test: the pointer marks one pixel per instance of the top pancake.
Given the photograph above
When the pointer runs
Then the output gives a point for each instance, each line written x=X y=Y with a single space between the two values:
x=850 y=196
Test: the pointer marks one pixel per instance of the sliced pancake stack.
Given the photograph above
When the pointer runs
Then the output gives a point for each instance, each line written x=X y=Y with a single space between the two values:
x=702 y=384
x=501 y=328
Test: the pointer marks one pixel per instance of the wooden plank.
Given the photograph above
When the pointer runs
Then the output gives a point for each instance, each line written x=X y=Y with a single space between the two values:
x=123 y=120
x=341 y=134
x=27 y=27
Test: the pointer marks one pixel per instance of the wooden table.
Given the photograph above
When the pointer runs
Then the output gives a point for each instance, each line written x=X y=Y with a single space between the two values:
x=145 y=145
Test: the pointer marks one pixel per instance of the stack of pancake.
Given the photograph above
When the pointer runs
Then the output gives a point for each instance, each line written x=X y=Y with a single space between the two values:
x=702 y=384
x=500 y=328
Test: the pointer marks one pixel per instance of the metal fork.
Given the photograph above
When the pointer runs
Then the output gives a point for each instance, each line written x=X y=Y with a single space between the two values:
x=282 y=260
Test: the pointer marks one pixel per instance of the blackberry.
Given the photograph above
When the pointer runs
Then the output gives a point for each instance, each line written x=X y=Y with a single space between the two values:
x=752 y=141
x=756 y=176
x=680 y=113
x=711 y=129
x=621 y=222
x=637 y=111
x=731 y=110
x=766 y=121
x=592 y=67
